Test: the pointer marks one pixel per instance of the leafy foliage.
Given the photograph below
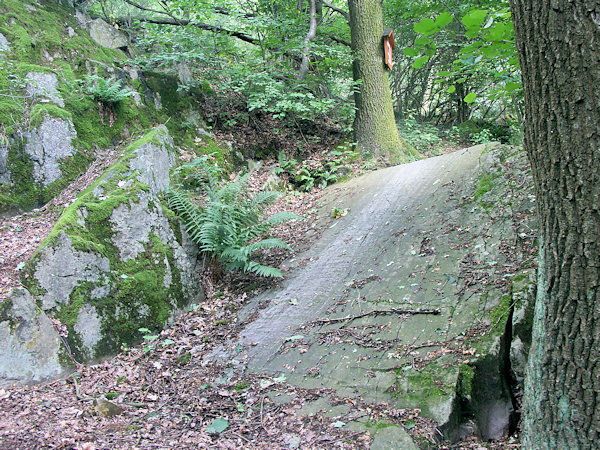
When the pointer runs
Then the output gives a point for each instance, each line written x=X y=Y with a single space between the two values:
x=314 y=173
x=104 y=90
x=458 y=61
x=230 y=225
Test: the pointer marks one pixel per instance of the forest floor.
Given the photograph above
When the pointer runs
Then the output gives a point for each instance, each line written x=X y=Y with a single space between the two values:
x=252 y=366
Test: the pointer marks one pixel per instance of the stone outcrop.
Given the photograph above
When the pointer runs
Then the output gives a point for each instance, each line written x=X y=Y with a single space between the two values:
x=43 y=86
x=116 y=261
x=106 y=35
x=49 y=145
x=4 y=44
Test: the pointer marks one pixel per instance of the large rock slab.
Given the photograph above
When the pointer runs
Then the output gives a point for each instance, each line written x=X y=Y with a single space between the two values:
x=117 y=260
x=407 y=299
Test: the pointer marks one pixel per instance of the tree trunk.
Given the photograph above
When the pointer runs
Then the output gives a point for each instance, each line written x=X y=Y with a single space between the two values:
x=310 y=36
x=559 y=50
x=374 y=125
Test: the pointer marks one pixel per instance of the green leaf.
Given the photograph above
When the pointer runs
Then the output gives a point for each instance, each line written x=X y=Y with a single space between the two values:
x=442 y=20
x=496 y=33
x=512 y=86
x=425 y=26
x=451 y=89
x=420 y=62
x=217 y=426
x=470 y=98
x=423 y=41
x=474 y=18
x=410 y=52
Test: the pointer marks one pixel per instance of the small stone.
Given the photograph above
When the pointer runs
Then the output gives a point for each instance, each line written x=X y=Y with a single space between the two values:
x=104 y=408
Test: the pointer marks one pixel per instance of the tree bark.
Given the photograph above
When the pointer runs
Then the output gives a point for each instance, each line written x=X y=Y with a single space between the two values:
x=375 y=130
x=559 y=50
x=310 y=36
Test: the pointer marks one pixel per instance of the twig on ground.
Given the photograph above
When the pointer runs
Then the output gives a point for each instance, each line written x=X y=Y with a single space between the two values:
x=412 y=312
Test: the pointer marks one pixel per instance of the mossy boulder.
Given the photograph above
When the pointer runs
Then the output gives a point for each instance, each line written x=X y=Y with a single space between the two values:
x=37 y=167
x=117 y=260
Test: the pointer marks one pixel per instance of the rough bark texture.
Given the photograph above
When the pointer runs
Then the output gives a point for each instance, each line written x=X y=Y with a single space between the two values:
x=559 y=49
x=374 y=125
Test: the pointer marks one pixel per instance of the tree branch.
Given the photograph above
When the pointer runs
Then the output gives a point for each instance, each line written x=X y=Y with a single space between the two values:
x=337 y=10
x=203 y=26
x=411 y=312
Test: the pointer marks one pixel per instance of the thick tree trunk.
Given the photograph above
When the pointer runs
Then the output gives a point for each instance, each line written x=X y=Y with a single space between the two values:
x=374 y=125
x=559 y=49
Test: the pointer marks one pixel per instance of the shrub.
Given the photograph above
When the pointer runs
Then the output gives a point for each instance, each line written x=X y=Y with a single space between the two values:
x=104 y=90
x=230 y=226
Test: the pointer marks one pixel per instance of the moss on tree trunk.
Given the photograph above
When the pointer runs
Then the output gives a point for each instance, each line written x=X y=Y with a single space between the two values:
x=375 y=128
x=559 y=54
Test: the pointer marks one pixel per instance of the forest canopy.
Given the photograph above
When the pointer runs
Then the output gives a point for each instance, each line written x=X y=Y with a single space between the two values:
x=455 y=65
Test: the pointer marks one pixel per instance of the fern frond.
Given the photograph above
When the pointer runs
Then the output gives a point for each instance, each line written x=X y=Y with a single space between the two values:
x=263 y=271
x=264 y=198
x=267 y=243
x=283 y=216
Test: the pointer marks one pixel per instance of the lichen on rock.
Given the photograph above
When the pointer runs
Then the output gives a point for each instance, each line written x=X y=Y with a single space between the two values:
x=44 y=86
x=30 y=343
x=47 y=146
x=117 y=259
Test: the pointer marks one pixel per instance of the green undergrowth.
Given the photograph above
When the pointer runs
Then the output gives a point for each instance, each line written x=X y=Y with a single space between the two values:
x=41 y=30
x=39 y=42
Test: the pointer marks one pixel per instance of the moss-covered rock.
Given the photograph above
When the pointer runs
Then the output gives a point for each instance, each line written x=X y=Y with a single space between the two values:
x=117 y=261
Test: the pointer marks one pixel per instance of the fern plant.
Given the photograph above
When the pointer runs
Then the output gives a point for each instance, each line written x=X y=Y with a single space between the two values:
x=230 y=225
x=104 y=90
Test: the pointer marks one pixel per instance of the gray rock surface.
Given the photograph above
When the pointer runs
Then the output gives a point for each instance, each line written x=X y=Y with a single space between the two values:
x=83 y=20
x=43 y=86
x=184 y=73
x=30 y=343
x=392 y=438
x=153 y=161
x=4 y=172
x=61 y=268
x=106 y=35
x=411 y=241
x=47 y=146
x=134 y=266
x=4 y=44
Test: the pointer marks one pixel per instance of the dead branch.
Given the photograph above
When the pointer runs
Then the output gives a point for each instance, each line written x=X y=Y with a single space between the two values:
x=398 y=311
